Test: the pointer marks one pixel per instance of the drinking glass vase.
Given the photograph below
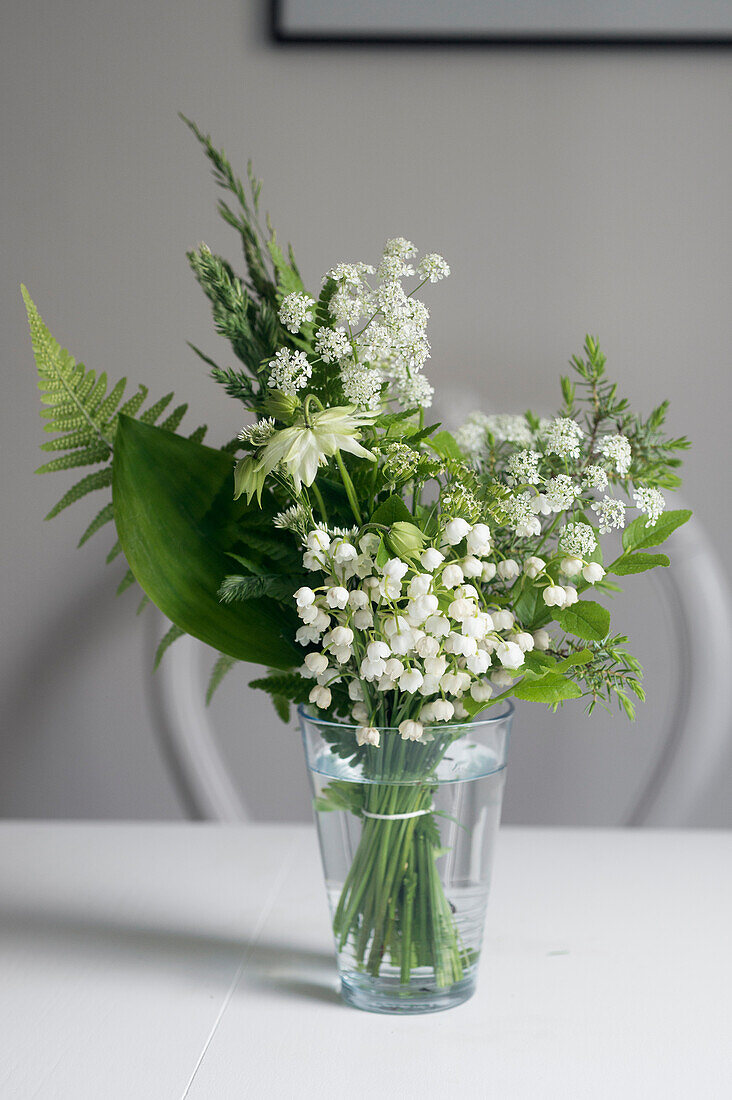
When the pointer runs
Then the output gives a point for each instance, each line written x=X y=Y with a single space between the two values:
x=407 y=831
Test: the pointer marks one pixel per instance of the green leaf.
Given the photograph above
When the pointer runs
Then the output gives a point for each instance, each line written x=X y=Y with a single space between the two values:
x=586 y=619
x=101 y=479
x=637 y=536
x=581 y=657
x=391 y=511
x=176 y=519
x=223 y=664
x=550 y=690
x=171 y=635
x=445 y=445
x=106 y=515
x=637 y=563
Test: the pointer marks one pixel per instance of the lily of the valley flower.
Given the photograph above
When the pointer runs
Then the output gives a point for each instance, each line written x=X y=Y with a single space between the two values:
x=312 y=439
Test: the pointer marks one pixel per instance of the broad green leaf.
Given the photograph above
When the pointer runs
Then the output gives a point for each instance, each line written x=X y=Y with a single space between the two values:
x=445 y=445
x=392 y=510
x=581 y=657
x=636 y=563
x=530 y=609
x=637 y=536
x=586 y=619
x=549 y=690
x=176 y=519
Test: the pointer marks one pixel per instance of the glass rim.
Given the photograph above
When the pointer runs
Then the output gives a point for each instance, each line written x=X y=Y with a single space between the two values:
x=469 y=725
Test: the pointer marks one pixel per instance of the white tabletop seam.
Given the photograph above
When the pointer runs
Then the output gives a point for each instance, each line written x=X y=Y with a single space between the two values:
x=266 y=910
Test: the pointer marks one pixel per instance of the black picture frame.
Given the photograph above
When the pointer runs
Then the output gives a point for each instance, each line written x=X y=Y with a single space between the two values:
x=691 y=40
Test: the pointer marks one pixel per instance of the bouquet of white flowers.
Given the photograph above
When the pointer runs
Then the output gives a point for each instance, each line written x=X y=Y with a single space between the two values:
x=396 y=579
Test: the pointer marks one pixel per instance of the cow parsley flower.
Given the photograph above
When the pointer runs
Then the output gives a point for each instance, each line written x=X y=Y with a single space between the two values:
x=650 y=501
x=361 y=385
x=521 y=516
x=332 y=344
x=561 y=491
x=524 y=467
x=563 y=437
x=399 y=246
x=350 y=275
x=610 y=513
x=347 y=309
x=289 y=371
x=577 y=540
x=413 y=390
x=594 y=477
x=616 y=449
x=433 y=267
x=295 y=310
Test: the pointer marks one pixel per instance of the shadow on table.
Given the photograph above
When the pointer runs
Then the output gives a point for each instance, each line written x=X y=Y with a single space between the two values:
x=279 y=967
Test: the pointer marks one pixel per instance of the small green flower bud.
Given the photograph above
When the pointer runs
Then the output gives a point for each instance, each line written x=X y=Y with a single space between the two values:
x=405 y=539
x=248 y=479
x=281 y=405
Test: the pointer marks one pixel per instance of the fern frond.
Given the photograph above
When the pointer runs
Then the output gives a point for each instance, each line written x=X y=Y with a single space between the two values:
x=82 y=456
x=127 y=581
x=152 y=414
x=101 y=479
x=223 y=664
x=171 y=635
x=101 y=518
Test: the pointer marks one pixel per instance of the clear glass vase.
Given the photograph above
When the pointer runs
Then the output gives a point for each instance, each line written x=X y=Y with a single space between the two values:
x=407 y=831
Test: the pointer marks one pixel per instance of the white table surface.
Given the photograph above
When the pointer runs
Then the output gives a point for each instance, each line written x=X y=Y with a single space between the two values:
x=162 y=962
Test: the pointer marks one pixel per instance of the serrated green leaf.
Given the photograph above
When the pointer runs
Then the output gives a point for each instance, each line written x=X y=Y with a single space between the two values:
x=550 y=690
x=586 y=619
x=445 y=445
x=581 y=657
x=637 y=563
x=637 y=536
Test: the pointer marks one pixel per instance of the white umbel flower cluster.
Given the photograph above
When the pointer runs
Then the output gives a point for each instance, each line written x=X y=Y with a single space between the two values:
x=419 y=628
x=295 y=310
x=289 y=371
x=577 y=540
x=610 y=513
x=650 y=501
x=616 y=449
x=563 y=437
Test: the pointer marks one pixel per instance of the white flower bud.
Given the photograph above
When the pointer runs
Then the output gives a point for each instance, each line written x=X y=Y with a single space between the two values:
x=554 y=596
x=395 y=569
x=363 y=620
x=357 y=600
x=542 y=639
x=337 y=597
x=452 y=575
x=368 y=735
x=593 y=572
x=438 y=625
x=410 y=680
x=355 y=691
x=341 y=636
x=571 y=566
x=377 y=650
x=359 y=713
x=455 y=531
x=304 y=597
x=502 y=620
x=479 y=540
x=316 y=662
x=410 y=730
x=428 y=646
x=431 y=558
x=320 y=697
x=318 y=540
x=509 y=654
x=508 y=570
x=345 y=552
x=570 y=596
x=524 y=641
x=481 y=691
x=420 y=585
x=471 y=567
x=478 y=663
x=533 y=567
x=489 y=571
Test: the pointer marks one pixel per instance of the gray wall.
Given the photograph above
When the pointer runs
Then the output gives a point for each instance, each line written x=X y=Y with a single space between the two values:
x=570 y=191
